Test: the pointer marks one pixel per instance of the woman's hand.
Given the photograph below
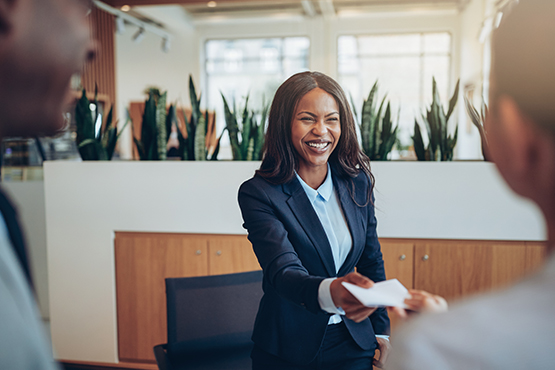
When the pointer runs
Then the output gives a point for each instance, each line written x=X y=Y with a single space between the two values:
x=421 y=301
x=384 y=347
x=354 y=310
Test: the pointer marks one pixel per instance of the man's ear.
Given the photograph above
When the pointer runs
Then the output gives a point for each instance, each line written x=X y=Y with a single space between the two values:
x=520 y=133
x=6 y=9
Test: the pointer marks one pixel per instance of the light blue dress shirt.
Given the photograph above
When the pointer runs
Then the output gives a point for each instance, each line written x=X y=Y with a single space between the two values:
x=326 y=205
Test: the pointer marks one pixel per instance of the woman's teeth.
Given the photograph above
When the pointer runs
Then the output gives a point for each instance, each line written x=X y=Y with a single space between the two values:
x=318 y=145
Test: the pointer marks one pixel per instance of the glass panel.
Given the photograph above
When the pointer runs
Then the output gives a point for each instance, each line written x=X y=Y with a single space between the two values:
x=254 y=67
x=403 y=65
x=437 y=67
x=389 y=44
x=347 y=46
x=296 y=47
x=437 y=43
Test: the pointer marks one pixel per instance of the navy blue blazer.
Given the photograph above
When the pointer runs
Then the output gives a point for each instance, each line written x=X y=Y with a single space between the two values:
x=295 y=255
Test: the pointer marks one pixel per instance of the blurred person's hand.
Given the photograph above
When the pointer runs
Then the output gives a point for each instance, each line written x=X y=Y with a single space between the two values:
x=421 y=301
x=384 y=346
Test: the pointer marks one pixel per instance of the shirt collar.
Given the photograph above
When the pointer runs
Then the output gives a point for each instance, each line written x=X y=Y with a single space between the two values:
x=324 y=190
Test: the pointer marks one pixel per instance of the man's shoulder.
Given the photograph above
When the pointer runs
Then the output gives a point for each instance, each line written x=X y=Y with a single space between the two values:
x=489 y=331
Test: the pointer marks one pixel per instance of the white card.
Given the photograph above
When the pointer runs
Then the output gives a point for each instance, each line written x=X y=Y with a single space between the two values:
x=389 y=293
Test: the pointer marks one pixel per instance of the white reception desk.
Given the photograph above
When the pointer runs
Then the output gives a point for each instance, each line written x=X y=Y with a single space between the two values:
x=87 y=202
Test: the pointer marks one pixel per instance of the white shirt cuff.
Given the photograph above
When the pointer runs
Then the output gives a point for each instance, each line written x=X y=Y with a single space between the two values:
x=382 y=336
x=325 y=300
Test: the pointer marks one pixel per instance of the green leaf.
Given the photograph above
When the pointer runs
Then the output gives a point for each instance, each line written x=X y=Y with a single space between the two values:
x=478 y=121
x=418 y=143
x=260 y=137
x=386 y=134
x=214 y=156
x=250 y=150
x=453 y=101
x=195 y=104
x=140 y=149
x=246 y=135
x=170 y=118
x=200 y=140
x=367 y=120
x=232 y=130
x=149 y=132
x=375 y=127
x=161 y=137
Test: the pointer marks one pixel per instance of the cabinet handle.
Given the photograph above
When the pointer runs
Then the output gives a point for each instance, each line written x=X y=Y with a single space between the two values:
x=198 y=252
x=219 y=253
x=425 y=258
x=402 y=257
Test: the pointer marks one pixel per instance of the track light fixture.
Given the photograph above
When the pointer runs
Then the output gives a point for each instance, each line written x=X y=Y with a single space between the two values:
x=120 y=25
x=139 y=35
x=166 y=45
x=122 y=19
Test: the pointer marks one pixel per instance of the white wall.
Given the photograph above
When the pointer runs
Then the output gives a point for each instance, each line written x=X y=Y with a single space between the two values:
x=141 y=65
x=471 y=74
x=145 y=64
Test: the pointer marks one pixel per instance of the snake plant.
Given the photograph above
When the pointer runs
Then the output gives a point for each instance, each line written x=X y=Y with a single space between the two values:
x=193 y=147
x=440 y=143
x=155 y=129
x=378 y=133
x=246 y=142
x=478 y=120
x=95 y=140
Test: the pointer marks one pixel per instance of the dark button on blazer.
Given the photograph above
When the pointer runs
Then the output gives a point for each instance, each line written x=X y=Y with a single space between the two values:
x=295 y=255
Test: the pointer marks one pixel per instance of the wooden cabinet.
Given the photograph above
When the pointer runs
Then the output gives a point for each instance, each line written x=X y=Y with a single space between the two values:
x=450 y=268
x=459 y=268
x=144 y=260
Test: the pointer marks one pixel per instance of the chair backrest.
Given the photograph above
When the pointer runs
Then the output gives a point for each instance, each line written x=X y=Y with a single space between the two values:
x=212 y=312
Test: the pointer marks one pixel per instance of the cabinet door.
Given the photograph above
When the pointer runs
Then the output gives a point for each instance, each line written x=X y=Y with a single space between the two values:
x=454 y=269
x=229 y=254
x=143 y=261
x=398 y=259
x=536 y=253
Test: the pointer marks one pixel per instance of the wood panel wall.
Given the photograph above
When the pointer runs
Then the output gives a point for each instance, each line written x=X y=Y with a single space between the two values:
x=102 y=70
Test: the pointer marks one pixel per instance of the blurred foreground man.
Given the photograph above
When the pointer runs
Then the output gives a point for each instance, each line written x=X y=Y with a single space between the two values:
x=514 y=328
x=42 y=44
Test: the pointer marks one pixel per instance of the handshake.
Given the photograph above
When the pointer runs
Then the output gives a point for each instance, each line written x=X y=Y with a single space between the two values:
x=359 y=297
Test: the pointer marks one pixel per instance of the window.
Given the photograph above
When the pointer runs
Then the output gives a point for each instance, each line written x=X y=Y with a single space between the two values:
x=249 y=66
x=403 y=64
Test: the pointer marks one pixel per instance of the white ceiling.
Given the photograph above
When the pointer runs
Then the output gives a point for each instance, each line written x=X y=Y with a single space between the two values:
x=314 y=7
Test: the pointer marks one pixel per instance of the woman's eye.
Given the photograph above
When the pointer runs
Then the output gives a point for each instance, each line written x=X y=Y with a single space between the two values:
x=307 y=119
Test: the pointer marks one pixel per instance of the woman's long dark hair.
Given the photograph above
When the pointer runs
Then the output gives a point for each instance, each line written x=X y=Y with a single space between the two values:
x=280 y=157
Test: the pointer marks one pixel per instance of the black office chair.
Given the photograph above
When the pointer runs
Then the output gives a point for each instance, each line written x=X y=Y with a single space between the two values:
x=210 y=321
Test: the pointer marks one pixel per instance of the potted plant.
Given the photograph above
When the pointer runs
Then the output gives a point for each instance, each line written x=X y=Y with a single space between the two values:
x=440 y=143
x=377 y=130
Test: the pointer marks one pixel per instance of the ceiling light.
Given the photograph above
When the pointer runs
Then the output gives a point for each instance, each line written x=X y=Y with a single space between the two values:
x=212 y=4
x=139 y=36
x=125 y=8
x=120 y=25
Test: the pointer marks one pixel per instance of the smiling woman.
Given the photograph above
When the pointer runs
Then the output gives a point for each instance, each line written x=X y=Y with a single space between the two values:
x=310 y=219
x=315 y=131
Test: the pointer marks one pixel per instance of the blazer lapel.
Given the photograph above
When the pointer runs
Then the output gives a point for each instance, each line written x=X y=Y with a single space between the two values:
x=355 y=221
x=308 y=219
